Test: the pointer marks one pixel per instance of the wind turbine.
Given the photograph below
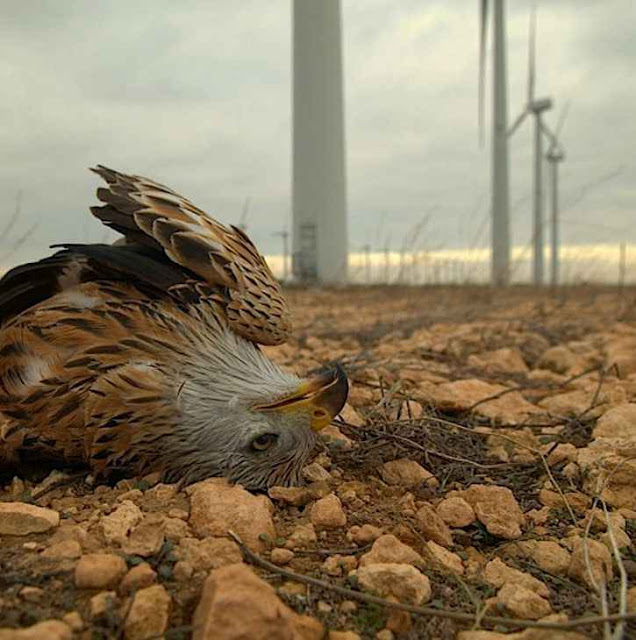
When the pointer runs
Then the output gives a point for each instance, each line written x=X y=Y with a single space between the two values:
x=500 y=219
x=319 y=232
x=536 y=107
x=554 y=155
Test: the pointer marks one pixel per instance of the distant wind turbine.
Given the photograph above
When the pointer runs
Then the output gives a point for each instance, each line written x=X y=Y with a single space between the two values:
x=555 y=155
x=536 y=107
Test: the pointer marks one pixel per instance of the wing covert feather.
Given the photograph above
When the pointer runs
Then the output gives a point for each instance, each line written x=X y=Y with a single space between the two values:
x=223 y=257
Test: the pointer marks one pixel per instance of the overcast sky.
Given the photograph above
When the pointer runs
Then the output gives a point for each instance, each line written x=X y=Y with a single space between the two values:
x=197 y=94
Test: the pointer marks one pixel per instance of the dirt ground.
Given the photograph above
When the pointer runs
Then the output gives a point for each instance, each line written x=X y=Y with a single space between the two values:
x=529 y=391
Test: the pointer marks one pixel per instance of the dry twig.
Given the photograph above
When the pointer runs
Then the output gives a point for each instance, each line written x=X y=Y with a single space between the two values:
x=423 y=611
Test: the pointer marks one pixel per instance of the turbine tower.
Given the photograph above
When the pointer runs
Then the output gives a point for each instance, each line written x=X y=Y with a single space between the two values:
x=500 y=219
x=554 y=156
x=536 y=107
x=319 y=235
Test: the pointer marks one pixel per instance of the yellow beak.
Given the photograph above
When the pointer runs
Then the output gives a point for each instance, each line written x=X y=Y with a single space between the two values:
x=323 y=397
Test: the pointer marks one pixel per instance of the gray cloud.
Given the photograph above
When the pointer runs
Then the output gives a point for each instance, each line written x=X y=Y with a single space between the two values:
x=197 y=94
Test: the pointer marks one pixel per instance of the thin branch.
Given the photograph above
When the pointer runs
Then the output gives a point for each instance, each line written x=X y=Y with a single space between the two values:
x=599 y=588
x=537 y=452
x=423 y=611
x=419 y=447
x=495 y=396
x=622 y=607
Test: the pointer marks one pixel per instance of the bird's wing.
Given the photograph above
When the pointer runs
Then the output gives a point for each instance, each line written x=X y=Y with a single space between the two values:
x=225 y=258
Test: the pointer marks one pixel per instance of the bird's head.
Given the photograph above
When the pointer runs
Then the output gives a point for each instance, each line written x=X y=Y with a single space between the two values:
x=252 y=422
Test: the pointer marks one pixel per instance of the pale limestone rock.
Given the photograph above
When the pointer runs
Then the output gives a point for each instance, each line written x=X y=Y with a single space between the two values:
x=617 y=422
x=558 y=359
x=102 y=603
x=64 y=550
x=620 y=539
x=49 y=629
x=475 y=563
x=209 y=553
x=146 y=539
x=561 y=453
x=599 y=521
x=432 y=527
x=316 y=473
x=549 y=556
x=504 y=360
x=338 y=565
x=571 y=471
x=117 y=525
x=455 y=512
x=522 y=602
x=343 y=635
x=217 y=506
x=447 y=559
x=497 y=509
x=74 y=620
x=335 y=438
x=399 y=622
x=365 y=534
x=573 y=403
x=175 y=528
x=31 y=594
x=77 y=533
x=497 y=573
x=182 y=571
x=620 y=351
x=236 y=603
x=407 y=473
x=327 y=513
x=406 y=410
x=546 y=377
x=461 y=395
x=484 y=635
x=609 y=465
x=140 y=576
x=281 y=556
x=401 y=581
x=387 y=549
x=149 y=613
x=21 y=519
x=134 y=495
x=99 y=571
x=162 y=493
x=303 y=536
x=600 y=562
x=297 y=496
x=351 y=416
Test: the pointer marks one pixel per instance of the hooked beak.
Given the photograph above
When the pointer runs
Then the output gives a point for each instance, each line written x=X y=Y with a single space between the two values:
x=323 y=396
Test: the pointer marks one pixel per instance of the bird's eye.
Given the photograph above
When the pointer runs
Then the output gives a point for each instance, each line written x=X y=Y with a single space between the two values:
x=264 y=441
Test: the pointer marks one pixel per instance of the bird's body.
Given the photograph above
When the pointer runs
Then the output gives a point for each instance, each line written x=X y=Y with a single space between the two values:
x=144 y=357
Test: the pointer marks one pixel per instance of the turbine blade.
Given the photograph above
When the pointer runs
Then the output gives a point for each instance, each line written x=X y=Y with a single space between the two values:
x=562 y=117
x=517 y=123
x=532 y=40
x=549 y=134
x=483 y=36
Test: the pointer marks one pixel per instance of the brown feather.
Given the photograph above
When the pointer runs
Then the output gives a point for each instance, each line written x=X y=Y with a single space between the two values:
x=222 y=256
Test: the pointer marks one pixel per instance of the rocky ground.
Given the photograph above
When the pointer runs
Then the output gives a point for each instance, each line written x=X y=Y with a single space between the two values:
x=480 y=485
